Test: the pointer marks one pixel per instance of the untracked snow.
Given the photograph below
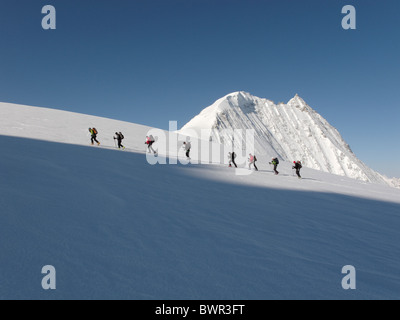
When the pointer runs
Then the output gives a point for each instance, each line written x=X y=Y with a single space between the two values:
x=115 y=227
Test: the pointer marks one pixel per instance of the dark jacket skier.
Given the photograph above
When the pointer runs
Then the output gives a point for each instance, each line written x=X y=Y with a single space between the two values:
x=94 y=133
x=119 y=137
x=297 y=166
x=231 y=158
x=150 y=141
x=275 y=162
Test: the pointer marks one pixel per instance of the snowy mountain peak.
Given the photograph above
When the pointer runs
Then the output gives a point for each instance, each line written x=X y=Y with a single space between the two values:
x=236 y=99
x=210 y=117
x=238 y=94
x=297 y=100
x=292 y=131
x=299 y=103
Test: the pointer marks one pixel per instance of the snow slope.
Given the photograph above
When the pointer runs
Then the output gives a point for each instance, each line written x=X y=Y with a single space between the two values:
x=66 y=127
x=115 y=227
x=292 y=131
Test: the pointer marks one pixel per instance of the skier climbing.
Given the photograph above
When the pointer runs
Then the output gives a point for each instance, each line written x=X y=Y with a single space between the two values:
x=94 y=133
x=149 y=141
x=231 y=158
x=119 y=137
x=187 y=146
x=252 y=161
x=275 y=162
x=297 y=166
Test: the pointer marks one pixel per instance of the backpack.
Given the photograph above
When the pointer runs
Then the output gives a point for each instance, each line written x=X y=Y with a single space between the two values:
x=276 y=160
x=95 y=131
x=255 y=159
x=121 y=136
x=299 y=164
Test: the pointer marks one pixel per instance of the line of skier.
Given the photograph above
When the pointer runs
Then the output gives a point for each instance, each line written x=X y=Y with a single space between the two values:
x=187 y=147
x=251 y=160
x=149 y=142
x=274 y=162
x=118 y=137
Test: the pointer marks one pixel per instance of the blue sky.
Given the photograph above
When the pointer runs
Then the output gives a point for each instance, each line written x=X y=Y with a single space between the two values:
x=151 y=61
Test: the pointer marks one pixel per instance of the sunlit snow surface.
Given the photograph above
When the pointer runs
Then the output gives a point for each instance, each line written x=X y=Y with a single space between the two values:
x=115 y=227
